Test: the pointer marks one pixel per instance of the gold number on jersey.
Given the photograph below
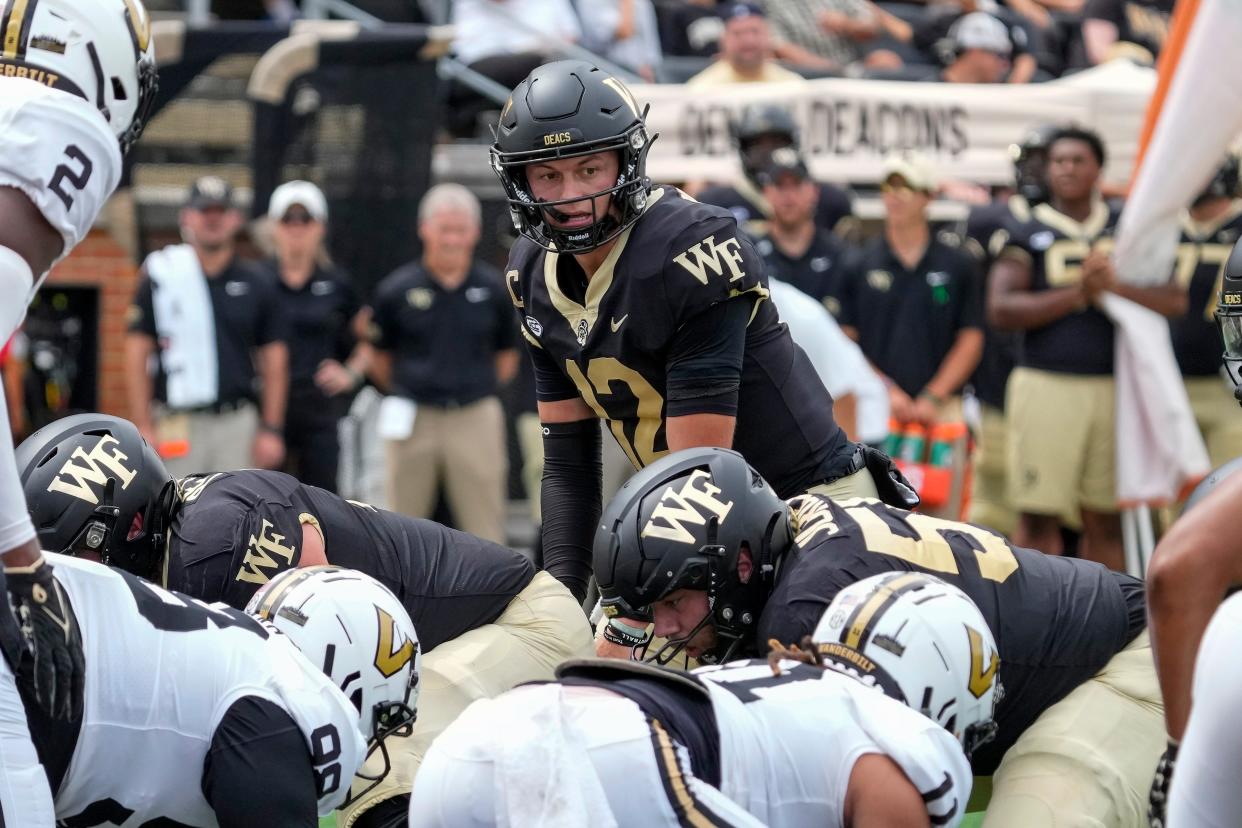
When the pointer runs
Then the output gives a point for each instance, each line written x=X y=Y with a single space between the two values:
x=930 y=548
x=1190 y=256
x=598 y=381
x=1063 y=260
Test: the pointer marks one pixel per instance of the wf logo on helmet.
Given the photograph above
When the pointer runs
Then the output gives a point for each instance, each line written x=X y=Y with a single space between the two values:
x=85 y=473
x=692 y=505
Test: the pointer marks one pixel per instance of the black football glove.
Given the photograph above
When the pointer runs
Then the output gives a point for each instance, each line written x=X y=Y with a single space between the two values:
x=53 y=668
x=1158 y=797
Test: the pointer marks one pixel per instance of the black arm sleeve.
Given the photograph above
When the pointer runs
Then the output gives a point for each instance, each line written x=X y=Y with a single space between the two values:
x=705 y=361
x=391 y=813
x=258 y=769
x=571 y=497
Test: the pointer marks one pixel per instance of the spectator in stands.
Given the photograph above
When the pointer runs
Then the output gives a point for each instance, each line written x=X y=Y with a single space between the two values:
x=209 y=320
x=1060 y=401
x=504 y=40
x=1132 y=29
x=690 y=28
x=836 y=31
x=793 y=248
x=444 y=339
x=325 y=366
x=758 y=133
x=975 y=47
x=912 y=302
x=978 y=48
x=746 y=51
x=624 y=32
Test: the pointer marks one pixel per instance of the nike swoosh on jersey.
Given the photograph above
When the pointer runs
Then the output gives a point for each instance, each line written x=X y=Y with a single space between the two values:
x=616 y=324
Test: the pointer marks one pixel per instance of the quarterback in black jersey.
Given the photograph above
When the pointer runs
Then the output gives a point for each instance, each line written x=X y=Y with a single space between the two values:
x=489 y=621
x=646 y=309
x=725 y=565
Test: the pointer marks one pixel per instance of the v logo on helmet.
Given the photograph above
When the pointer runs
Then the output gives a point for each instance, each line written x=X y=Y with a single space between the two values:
x=85 y=474
x=139 y=24
x=389 y=661
x=980 y=680
x=692 y=505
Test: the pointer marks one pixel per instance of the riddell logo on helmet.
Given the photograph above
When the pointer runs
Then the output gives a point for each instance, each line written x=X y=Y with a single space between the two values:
x=677 y=509
x=86 y=479
x=554 y=139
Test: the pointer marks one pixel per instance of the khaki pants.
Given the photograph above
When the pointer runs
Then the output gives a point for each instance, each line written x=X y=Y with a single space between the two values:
x=858 y=484
x=217 y=442
x=989 y=500
x=464 y=447
x=1218 y=417
x=1089 y=759
x=530 y=440
x=1062 y=443
x=542 y=626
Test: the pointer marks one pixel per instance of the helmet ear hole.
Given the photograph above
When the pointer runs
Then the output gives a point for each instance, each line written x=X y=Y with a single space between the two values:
x=118 y=89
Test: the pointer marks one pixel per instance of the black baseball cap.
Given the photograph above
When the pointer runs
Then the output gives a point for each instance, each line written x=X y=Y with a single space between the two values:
x=783 y=161
x=210 y=191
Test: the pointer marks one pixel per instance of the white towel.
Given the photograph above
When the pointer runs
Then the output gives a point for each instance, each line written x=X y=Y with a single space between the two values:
x=186 y=326
x=544 y=776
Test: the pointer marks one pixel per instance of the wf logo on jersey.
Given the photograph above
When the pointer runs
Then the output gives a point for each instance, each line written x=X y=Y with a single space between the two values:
x=708 y=255
x=690 y=506
x=85 y=473
x=261 y=563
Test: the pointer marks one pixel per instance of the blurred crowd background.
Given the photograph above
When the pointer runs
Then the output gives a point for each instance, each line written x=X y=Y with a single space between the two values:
x=330 y=177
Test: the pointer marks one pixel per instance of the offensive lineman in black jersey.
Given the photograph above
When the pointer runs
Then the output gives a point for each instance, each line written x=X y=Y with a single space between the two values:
x=488 y=620
x=657 y=322
x=1210 y=228
x=724 y=565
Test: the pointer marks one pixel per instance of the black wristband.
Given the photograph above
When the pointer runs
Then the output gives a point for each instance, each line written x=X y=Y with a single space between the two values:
x=619 y=633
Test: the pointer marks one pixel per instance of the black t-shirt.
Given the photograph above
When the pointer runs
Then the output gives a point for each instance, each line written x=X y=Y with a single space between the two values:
x=1054 y=246
x=1143 y=22
x=907 y=320
x=1057 y=621
x=750 y=209
x=443 y=342
x=817 y=272
x=319 y=314
x=689 y=30
x=1201 y=260
x=235 y=531
x=248 y=314
x=679 y=260
x=986 y=233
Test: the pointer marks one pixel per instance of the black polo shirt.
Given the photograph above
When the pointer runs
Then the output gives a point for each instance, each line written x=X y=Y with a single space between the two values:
x=1142 y=22
x=443 y=342
x=907 y=320
x=248 y=313
x=817 y=272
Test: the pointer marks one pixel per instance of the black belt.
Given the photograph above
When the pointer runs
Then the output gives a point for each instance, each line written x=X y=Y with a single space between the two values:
x=226 y=407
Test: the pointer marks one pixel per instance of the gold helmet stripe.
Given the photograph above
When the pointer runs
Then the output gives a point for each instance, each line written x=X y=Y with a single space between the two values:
x=16 y=26
x=139 y=25
x=859 y=626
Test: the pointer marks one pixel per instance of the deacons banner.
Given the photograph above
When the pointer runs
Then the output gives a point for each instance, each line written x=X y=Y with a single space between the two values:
x=848 y=126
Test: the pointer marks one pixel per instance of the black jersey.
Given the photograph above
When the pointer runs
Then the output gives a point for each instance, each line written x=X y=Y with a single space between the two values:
x=235 y=531
x=612 y=346
x=751 y=209
x=1057 y=621
x=1201 y=260
x=986 y=233
x=1055 y=245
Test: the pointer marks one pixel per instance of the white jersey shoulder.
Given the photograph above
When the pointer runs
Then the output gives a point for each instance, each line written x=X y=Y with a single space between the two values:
x=790 y=742
x=162 y=670
x=58 y=150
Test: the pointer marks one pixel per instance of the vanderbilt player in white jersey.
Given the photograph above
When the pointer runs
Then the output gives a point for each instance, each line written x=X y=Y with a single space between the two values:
x=779 y=742
x=77 y=79
x=202 y=715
